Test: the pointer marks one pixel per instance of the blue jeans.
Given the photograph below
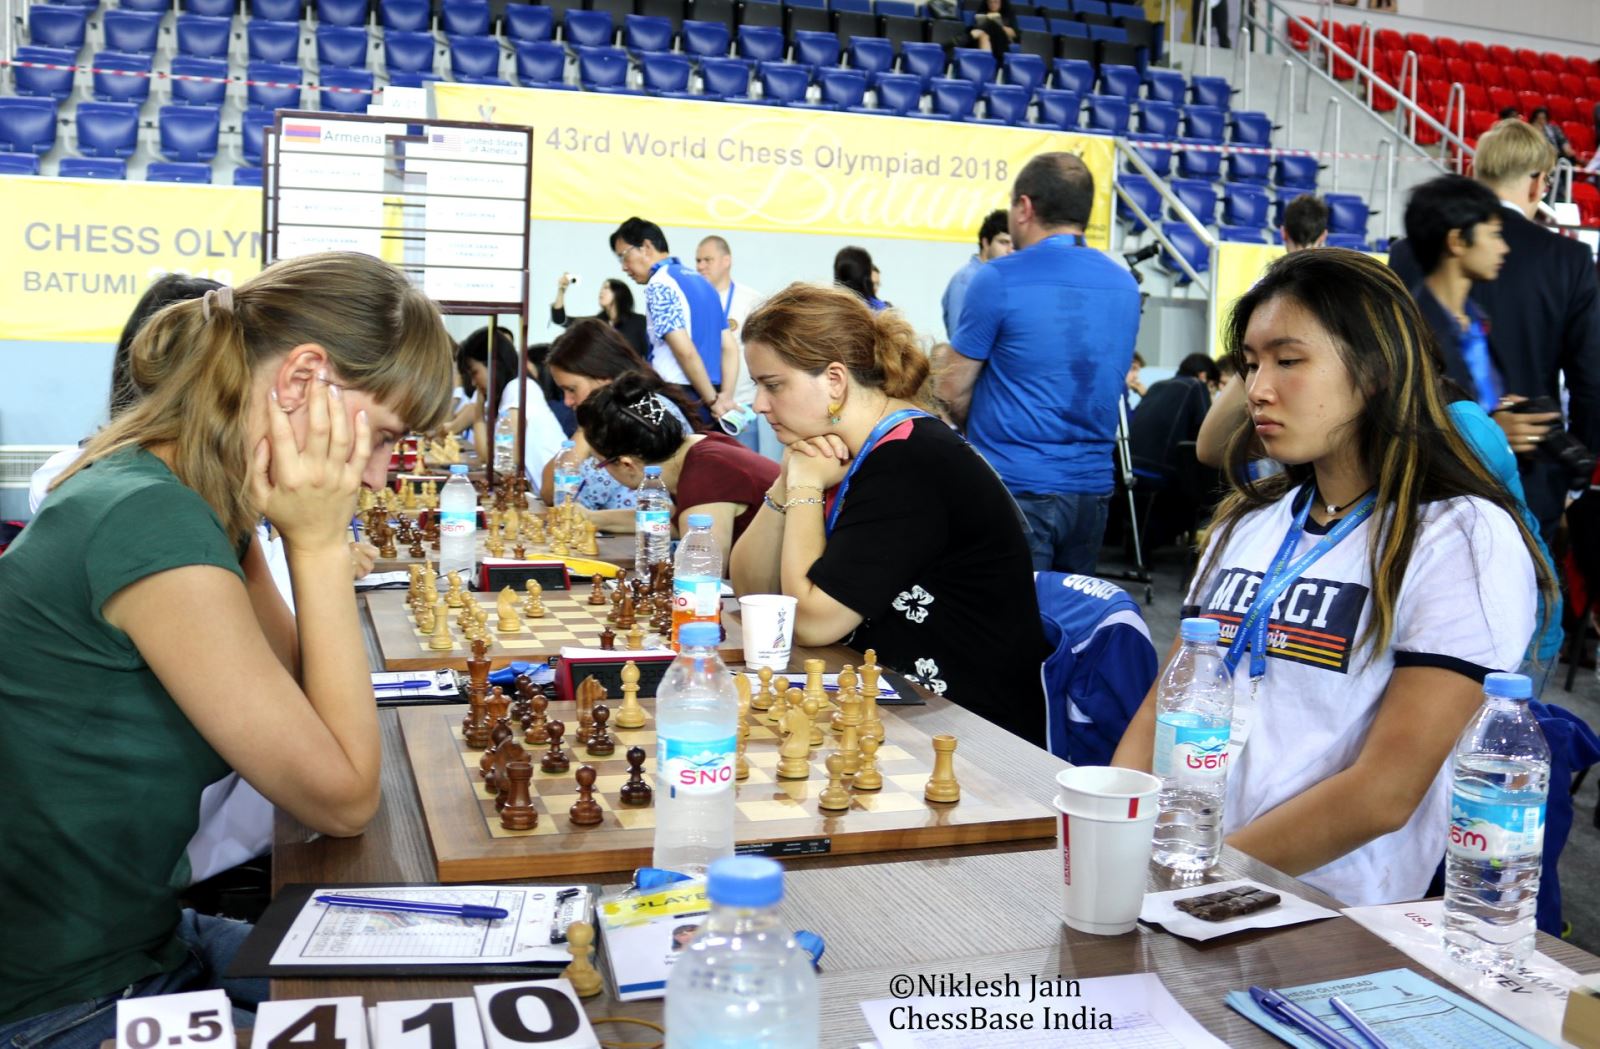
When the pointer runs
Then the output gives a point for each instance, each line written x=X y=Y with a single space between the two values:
x=212 y=943
x=1064 y=529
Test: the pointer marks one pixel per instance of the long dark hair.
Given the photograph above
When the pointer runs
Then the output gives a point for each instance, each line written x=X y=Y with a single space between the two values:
x=628 y=417
x=594 y=349
x=852 y=268
x=475 y=347
x=622 y=295
x=173 y=287
x=1404 y=435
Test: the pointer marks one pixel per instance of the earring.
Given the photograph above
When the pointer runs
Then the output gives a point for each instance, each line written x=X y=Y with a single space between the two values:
x=833 y=412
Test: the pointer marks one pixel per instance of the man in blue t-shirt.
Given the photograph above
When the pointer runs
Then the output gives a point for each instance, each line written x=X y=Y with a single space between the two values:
x=1040 y=355
x=994 y=240
x=690 y=345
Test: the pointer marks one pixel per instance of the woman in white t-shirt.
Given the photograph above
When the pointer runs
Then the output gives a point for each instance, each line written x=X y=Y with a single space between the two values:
x=1374 y=651
x=543 y=434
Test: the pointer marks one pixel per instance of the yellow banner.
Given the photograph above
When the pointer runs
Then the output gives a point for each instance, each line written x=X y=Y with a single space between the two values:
x=1239 y=266
x=721 y=165
x=76 y=255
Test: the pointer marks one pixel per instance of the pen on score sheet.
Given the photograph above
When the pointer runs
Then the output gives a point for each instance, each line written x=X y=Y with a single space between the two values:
x=452 y=910
x=379 y=686
x=355 y=533
x=1355 y=1021
x=1285 y=1011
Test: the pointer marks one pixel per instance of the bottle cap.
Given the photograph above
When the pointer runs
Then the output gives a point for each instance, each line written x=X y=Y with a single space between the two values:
x=1204 y=631
x=745 y=881
x=699 y=635
x=1508 y=686
x=459 y=469
x=699 y=520
x=655 y=471
x=569 y=444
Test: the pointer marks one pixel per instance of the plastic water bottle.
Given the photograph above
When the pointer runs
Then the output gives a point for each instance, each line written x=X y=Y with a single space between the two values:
x=742 y=983
x=652 y=523
x=1501 y=768
x=458 y=523
x=567 y=474
x=697 y=718
x=505 y=446
x=697 y=577
x=1194 y=716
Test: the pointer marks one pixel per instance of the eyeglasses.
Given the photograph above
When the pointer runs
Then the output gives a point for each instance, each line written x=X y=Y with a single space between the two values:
x=622 y=256
x=603 y=463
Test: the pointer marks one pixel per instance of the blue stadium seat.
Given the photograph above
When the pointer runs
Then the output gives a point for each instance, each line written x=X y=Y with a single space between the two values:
x=1072 y=74
x=540 y=63
x=408 y=78
x=273 y=10
x=1089 y=7
x=1243 y=235
x=131 y=32
x=923 y=60
x=341 y=47
x=1068 y=27
x=246 y=176
x=407 y=52
x=202 y=36
x=784 y=83
x=1281 y=196
x=121 y=78
x=1033 y=23
x=1297 y=173
x=1158 y=118
x=416 y=16
x=1249 y=167
x=667 y=75
x=1199 y=196
x=1203 y=162
x=252 y=132
x=587 y=28
x=158 y=6
x=1134 y=11
x=214 y=8
x=1120 y=81
x=1189 y=245
x=1005 y=104
x=1244 y=204
x=1059 y=109
x=107 y=129
x=1107 y=115
x=705 y=39
x=1210 y=91
x=870 y=54
x=211 y=91
x=273 y=41
x=842 y=88
x=465 y=18
x=1347 y=213
x=725 y=78
x=189 y=132
x=1203 y=123
x=1025 y=71
x=603 y=69
x=531 y=23
x=973 y=64
x=28 y=125
x=1109 y=33
x=57 y=25
x=1061 y=7
x=19 y=164
x=898 y=93
x=952 y=98
x=352 y=94
x=1144 y=194
x=193 y=174
x=341 y=12
x=1354 y=241
x=45 y=83
x=897 y=8
x=1166 y=85
x=262 y=91
x=816 y=50
x=1154 y=151
x=647 y=34
x=761 y=43
x=1250 y=128
x=93 y=167
x=475 y=60
x=859 y=7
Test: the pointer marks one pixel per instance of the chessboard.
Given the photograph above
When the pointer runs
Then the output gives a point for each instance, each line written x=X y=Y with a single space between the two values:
x=773 y=816
x=569 y=621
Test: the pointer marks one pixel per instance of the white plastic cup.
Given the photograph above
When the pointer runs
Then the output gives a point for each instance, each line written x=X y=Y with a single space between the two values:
x=1106 y=820
x=768 y=624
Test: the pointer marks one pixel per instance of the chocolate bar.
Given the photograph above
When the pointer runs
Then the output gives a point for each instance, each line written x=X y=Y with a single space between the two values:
x=1228 y=904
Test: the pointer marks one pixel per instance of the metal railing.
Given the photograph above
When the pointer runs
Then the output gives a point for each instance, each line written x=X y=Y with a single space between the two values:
x=1386 y=167
x=1333 y=113
x=1283 y=115
x=1179 y=208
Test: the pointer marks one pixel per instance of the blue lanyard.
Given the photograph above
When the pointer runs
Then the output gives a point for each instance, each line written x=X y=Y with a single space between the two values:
x=1475 y=352
x=1252 y=633
x=887 y=423
x=727 y=307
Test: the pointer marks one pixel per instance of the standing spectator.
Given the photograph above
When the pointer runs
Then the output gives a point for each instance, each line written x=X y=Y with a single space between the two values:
x=690 y=347
x=1545 y=309
x=994 y=240
x=853 y=270
x=1305 y=223
x=1215 y=12
x=616 y=309
x=1040 y=361
x=1558 y=138
x=713 y=260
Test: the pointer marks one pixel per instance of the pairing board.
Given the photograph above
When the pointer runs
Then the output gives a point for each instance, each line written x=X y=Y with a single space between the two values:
x=780 y=816
x=569 y=621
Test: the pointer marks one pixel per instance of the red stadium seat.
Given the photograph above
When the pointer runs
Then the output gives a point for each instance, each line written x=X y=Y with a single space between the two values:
x=1580 y=65
x=1527 y=59
x=1587 y=197
x=1581 y=135
x=1431 y=67
x=1502 y=55
x=1518 y=78
x=1426 y=135
x=1421 y=44
x=1591 y=86
x=1491 y=75
x=1528 y=101
x=1545 y=82
x=1435 y=93
x=1474 y=51
x=1479 y=121
x=1446 y=47
x=1571 y=85
x=1477 y=96
x=1299 y=33
x=1562 y=108
x=1553 y=62
x=1502 y=98
x=1461 y=70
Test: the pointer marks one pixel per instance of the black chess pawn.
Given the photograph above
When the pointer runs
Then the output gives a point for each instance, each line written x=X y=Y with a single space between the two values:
x=556 y=760
x=586 y=812
x=600 y=743
x=608 y=640
x=636 y=791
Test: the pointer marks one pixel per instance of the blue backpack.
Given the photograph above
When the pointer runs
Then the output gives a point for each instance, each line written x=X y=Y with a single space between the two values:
x=1573 y=748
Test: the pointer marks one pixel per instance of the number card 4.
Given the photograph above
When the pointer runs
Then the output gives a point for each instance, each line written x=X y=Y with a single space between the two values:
x=186 y=1021
x=311 y=1023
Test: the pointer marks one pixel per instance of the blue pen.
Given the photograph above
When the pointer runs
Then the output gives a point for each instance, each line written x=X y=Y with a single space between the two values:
x=452 y=910
x=1355 y=1021
x=355 y=533
x=1285 y=1011
x=417 y=683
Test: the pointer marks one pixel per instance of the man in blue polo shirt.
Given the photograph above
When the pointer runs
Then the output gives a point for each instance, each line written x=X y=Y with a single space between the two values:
x=690 y=345
x=1040 y=356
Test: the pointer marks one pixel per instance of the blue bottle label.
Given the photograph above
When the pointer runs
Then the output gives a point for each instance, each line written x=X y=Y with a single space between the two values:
x=457 y=522
x=699 y=597
x=1190 y=751
x=696 y=766
x=1493 y=831
x=653 y=522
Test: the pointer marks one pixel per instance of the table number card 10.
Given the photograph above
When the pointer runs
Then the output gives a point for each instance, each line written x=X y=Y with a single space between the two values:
x=196 y=1020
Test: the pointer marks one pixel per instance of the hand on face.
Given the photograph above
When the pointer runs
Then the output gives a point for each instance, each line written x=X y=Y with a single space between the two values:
x=820 y=462
x=309 y=492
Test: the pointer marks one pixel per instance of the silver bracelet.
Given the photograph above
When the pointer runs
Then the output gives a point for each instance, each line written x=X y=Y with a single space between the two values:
x=766 y=497
x=802 y=502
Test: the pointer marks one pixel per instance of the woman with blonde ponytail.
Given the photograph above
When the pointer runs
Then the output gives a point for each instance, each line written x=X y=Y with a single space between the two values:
x=149 y=651
x=889 y=530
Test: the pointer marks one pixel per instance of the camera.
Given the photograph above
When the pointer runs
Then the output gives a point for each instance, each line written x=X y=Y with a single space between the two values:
x=1144 y=254
x=1559 y=446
